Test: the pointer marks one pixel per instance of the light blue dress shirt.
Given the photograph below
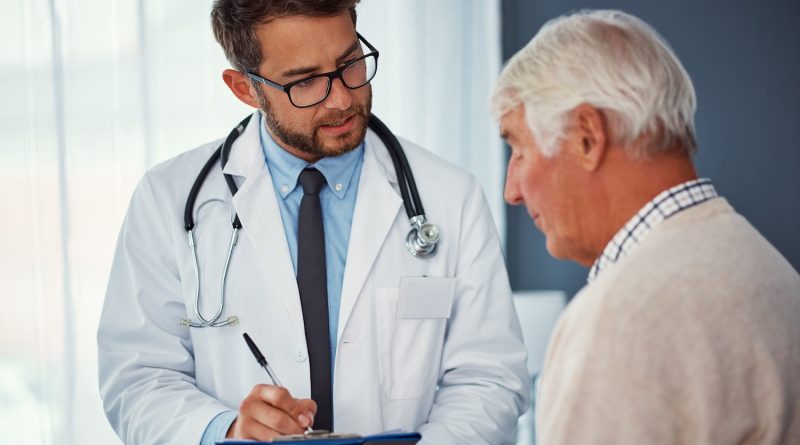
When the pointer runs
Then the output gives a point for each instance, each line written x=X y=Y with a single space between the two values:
x=342 y=174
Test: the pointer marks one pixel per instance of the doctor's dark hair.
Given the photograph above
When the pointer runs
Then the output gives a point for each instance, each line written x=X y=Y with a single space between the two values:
x=235 y=21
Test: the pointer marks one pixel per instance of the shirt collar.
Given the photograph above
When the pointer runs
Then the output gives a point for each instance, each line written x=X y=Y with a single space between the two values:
x=285 y=167
x=665 y=204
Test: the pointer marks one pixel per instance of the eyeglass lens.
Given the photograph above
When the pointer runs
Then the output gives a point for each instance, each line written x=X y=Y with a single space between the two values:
x=315 y=89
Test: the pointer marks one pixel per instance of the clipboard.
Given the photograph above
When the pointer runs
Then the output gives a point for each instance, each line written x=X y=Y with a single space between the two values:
x=391 y=438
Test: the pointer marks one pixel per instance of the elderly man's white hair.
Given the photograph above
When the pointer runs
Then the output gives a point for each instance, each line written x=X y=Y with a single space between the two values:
x=612 y=61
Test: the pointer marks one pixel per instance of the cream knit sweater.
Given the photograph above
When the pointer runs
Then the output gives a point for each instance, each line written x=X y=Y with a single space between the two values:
x=694 y=338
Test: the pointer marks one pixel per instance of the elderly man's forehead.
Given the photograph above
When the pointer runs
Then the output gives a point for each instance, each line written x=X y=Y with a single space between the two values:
x=505 y=125
x=512 y=123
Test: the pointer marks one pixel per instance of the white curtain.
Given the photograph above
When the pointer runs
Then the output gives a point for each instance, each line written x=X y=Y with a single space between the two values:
x=438 y=62
x=97 y=91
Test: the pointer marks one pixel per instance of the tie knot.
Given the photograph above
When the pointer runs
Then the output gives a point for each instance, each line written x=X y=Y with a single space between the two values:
x=312 y=181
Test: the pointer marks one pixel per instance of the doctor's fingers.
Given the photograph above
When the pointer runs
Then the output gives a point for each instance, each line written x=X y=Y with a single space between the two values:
x=260 y=420
x=263 y=422
x=280 y=398
x=282 y=404
x=248 y=428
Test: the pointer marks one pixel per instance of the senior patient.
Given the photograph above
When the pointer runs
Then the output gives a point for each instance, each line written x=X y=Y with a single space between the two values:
x=689 y=328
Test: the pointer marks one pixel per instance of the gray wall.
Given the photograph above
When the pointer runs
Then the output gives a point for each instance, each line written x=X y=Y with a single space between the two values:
x=744 y=59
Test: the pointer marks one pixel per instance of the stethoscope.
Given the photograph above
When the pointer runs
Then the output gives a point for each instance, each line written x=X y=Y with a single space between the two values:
x=421 y=241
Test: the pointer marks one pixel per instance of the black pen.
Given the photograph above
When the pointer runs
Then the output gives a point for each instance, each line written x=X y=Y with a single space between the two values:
x=262 y=361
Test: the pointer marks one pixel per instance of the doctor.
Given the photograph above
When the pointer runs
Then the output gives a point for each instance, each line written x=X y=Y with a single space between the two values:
x=364 y=336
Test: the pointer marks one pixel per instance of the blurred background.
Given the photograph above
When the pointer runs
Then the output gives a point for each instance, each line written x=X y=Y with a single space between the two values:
x=98 y=91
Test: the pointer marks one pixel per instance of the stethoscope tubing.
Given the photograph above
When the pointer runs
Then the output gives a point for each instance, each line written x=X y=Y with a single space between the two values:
x=405 y=179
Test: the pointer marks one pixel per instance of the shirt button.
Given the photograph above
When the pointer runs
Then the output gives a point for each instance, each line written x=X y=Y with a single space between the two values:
x=300 y=355
x=284 y=188
x=339 y=187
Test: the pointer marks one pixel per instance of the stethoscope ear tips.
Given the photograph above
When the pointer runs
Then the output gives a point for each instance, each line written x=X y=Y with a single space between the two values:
x=233 y=320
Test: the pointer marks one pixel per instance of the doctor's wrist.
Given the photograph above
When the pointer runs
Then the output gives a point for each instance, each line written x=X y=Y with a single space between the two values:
x=229 y=434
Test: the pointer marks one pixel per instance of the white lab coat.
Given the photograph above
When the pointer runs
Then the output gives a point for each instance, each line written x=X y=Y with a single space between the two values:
x=450 y=364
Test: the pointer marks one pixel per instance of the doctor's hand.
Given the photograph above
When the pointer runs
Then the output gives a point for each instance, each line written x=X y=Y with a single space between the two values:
x=270 y=411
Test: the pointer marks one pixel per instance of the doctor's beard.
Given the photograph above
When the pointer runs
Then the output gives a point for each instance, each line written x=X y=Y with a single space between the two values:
x=310 y=143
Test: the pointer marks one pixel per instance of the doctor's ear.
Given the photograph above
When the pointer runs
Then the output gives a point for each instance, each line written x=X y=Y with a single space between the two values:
x=589 y=136
x=239 y=85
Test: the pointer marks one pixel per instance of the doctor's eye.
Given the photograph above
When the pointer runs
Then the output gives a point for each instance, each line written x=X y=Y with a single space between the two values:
x=311 y=83
x=306 y=83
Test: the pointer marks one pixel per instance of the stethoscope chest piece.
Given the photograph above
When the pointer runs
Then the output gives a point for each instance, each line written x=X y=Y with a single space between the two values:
x=423 y=238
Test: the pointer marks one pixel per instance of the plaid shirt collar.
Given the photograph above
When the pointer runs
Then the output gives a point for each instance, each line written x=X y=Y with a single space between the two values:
x=667 y=203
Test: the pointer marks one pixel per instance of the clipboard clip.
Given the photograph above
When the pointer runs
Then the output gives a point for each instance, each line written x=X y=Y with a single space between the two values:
x=314 y=435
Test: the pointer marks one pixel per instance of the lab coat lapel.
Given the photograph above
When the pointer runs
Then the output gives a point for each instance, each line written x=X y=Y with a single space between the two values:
x=257 y=206
x=376 y=209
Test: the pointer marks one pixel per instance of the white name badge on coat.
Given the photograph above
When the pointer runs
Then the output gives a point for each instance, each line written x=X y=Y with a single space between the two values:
x=425 y=297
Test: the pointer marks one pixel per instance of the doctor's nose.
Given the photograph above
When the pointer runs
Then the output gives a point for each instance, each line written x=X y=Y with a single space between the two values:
x=340 y=97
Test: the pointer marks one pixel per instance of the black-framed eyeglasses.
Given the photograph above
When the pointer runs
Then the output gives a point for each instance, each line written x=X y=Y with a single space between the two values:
x=312 y=90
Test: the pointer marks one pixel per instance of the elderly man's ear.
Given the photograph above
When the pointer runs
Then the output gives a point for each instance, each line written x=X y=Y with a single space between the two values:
x=589 y=136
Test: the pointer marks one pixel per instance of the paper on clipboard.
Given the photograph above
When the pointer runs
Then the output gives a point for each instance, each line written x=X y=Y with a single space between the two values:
x=389 y=438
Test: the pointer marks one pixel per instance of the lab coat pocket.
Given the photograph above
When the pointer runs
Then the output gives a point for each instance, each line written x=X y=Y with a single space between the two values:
x=411 y=328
